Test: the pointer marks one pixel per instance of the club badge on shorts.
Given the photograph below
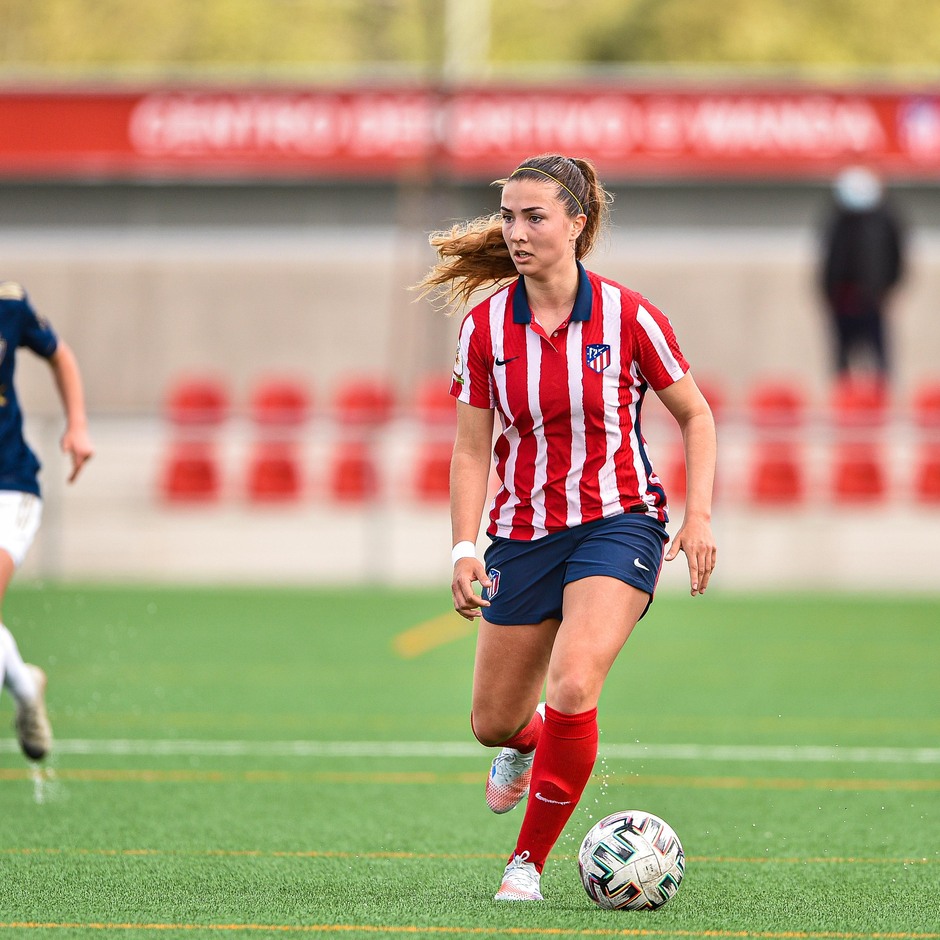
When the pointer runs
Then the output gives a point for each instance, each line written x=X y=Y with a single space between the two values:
x=597 y=356
x=493 y=575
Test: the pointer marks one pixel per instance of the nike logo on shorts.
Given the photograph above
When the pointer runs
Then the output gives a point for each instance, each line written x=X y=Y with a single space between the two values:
x=639 y=564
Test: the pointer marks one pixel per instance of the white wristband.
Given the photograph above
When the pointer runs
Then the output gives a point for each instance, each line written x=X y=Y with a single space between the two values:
x=463 y=550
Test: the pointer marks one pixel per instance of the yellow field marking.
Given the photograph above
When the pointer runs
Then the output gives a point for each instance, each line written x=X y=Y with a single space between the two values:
x=768 y=783
x=251 y=776
x=432 y=633
x=444 y=856
x=413 y=929
x=429 y=777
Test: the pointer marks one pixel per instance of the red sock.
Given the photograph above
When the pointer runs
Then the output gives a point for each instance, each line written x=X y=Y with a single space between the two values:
x=562 y=767
x=525 y=740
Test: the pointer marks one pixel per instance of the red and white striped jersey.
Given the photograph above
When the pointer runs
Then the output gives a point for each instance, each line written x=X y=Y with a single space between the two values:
x=571 y=450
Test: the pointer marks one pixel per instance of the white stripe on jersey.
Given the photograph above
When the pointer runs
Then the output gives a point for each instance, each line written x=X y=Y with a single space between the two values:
x=497 y=321
x=607 y=478
x=533 y=344
x=497 y=315
x=462 y=367
x=575 y=351
x=645 y=319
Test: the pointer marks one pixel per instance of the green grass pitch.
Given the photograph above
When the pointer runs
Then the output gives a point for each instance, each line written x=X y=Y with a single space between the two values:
x=259 y=762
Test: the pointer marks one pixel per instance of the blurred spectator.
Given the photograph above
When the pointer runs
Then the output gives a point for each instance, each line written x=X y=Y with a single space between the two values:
x=863 y=260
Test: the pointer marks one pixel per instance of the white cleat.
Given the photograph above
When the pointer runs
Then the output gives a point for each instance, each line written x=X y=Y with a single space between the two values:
x=521 y=881
x=508 y=781
x=510 y=773
x=32 y=723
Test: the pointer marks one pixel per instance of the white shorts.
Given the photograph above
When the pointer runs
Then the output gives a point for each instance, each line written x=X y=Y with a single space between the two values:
x=20 y=515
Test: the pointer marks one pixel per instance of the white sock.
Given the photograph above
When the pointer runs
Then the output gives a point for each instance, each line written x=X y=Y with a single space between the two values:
x=16 y=677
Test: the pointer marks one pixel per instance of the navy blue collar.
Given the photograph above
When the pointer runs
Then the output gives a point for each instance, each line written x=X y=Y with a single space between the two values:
x=521 y=313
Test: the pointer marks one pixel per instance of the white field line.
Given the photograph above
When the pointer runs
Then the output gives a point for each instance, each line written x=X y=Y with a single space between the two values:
x=717 y=753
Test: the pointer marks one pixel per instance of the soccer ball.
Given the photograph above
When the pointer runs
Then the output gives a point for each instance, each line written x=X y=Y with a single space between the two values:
x=631 y=861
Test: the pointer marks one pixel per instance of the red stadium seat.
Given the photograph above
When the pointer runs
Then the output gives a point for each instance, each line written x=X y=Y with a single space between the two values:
x=364 y=402
x=362 y=405
x=280 y=403
x=278 y=407
x=195 y=407
x=433 y=403
x=927 y=474
x=352 y=474
x=432 y=471
x=197 y=402
x=274 y=473
x=776 y=475
x=925 y=405
x=859 y=402
x=190 y=473
x=776 y=404
x=674 y=477
x=858 y=474
x=436 y=411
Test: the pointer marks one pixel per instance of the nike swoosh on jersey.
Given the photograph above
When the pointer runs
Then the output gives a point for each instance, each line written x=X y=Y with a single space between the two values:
x=502 y=362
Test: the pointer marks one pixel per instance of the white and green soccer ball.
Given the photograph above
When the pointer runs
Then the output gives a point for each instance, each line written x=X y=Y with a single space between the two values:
x=631 y=861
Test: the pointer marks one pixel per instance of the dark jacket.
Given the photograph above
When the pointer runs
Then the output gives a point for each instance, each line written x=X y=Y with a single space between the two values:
x=863 y=259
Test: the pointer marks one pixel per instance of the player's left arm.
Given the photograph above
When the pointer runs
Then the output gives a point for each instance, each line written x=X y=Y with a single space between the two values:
x=68 y=379
x=688 y=406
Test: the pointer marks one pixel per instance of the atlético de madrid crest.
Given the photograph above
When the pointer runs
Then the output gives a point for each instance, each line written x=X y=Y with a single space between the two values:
x=597 y=356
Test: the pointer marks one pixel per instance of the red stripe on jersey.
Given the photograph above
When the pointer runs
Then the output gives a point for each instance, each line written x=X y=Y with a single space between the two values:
x=571 y=450
x=557 y=408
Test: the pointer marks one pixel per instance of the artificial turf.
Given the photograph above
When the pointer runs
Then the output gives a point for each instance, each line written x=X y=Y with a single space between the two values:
x=265 y=761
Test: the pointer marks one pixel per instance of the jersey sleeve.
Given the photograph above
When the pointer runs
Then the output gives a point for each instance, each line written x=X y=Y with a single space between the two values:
x=472 y=380
x=36 y=333
x=657 y=350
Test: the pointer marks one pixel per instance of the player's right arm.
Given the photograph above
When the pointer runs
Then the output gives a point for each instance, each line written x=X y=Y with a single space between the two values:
x=469 y=476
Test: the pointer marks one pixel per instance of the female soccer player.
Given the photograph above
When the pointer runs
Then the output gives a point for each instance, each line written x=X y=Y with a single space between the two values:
x=565 y=357
x=20 y=503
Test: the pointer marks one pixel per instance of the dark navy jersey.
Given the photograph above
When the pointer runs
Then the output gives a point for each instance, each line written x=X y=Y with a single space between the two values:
x=19 y=326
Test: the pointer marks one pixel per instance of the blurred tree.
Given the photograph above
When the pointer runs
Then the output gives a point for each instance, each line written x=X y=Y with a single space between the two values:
x=848 y=33
x=163 y=36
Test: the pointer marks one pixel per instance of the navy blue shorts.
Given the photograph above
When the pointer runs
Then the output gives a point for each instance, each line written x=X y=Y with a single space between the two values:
x=529 y=577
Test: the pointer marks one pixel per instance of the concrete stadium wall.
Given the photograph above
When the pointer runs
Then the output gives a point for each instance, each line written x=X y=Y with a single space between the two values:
x=140 y=311
x=235 y=283
x=149 y=283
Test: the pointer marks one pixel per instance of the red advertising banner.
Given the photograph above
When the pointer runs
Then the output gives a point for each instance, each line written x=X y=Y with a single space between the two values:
x=471 y=134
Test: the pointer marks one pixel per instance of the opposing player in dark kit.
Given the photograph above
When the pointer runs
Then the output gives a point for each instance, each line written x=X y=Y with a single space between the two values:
x=20 y=498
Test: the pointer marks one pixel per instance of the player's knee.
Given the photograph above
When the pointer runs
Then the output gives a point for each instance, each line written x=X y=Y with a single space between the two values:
x=573 y=693
x=491 y=731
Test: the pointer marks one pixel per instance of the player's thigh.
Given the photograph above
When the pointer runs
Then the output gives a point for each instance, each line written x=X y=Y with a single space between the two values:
x=600 y=614
x=7 y=567
x=508 y=676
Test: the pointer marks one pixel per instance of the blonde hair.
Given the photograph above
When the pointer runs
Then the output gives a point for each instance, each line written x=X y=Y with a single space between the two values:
x=474 y=255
